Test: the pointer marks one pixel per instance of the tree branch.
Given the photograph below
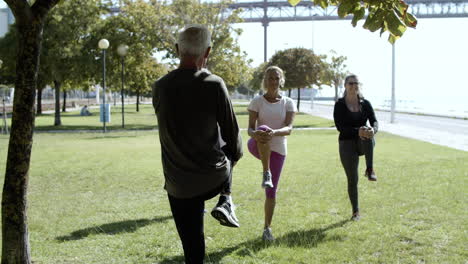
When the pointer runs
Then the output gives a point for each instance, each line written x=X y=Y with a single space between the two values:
x=20 y=8
x=41 y=7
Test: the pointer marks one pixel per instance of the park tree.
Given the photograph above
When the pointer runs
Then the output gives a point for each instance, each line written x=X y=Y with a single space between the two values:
x=226 y=59
x=256 y=80
x=30 y=18
x=8 y=50
x=302 y=68
x=146 y=71
x=390 y=16
x=43 y=79
x=65 y=35
x=138 y=27
x=335 y=72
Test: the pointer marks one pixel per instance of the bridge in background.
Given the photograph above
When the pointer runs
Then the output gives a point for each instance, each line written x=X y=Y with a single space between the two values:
x=280 y=10
x=267 y=11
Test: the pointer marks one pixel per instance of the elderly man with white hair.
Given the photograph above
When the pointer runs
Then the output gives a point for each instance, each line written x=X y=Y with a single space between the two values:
x=194 y=113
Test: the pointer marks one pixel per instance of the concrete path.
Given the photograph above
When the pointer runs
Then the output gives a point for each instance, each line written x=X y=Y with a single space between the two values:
x=443 y=131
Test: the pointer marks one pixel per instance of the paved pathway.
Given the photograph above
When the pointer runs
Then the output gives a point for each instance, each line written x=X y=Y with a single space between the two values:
x=443 y=131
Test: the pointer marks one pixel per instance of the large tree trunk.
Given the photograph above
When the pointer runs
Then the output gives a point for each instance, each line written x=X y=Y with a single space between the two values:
x=298 y=98
x=138 y=101
x=64 y=104
x=39 y=101
x=29 y=24
x=57 y=121
x=15 y=237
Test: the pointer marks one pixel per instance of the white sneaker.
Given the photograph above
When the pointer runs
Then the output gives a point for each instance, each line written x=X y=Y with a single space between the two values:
x=267 y=183
x=267 y=235
x=224 y=212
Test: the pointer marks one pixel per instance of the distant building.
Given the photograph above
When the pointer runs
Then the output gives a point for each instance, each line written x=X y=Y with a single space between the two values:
x=6 y=19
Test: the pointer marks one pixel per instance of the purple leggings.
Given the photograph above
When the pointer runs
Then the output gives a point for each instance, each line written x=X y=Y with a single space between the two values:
x=276 y=163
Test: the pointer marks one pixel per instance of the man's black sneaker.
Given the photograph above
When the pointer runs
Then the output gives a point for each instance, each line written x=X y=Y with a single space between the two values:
x=356 y=216
x=370 y=174
x=224 y=213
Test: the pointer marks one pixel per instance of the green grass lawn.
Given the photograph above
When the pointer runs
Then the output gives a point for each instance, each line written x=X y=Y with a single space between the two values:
x=145 y=119
x=97 y=198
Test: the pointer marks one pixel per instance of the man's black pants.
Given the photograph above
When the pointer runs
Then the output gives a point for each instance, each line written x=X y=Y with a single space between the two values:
x=188 y=217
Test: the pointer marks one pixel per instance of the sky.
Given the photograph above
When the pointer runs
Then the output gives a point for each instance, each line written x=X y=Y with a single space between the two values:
x=430 y=60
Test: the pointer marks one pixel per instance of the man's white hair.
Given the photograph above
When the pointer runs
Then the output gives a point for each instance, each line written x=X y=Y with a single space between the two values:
x=194 y=40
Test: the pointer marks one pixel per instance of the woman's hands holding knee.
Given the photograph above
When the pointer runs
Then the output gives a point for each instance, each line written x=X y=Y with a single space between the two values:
x=263 y=137
x=366 y=132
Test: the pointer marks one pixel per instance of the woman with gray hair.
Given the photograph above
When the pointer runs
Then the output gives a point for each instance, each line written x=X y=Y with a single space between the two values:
x=356 y=138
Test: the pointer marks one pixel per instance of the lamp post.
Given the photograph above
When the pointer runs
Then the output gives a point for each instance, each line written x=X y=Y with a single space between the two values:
x=103 y=45
x=122 y=51
x=392 y=107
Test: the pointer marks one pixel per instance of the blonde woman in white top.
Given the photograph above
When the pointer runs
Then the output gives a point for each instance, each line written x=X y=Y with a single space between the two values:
x=270 y=120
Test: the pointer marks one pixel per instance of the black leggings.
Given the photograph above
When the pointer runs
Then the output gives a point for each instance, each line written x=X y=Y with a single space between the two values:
x=188 y=217
x=350 y=150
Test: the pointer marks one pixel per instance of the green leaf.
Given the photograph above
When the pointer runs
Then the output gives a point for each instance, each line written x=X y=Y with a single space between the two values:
x=374 y=21
x=392 y=38
x=410 y=20
x=395 y=25
x=358 y=15
x=294 y=2
x=384 y=28
x=401 y=8
x=322 y=3
x=346 y=7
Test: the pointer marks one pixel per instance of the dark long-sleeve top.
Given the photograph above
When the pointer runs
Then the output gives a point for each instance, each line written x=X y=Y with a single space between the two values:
x=349 y=125
x=194 y=112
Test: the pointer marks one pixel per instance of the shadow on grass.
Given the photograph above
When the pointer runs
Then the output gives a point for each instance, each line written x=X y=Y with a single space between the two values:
x=107 y=136
x=303 y=238
x=242 y=113
x=112 y=228
x=320 y=125
x=85 y=128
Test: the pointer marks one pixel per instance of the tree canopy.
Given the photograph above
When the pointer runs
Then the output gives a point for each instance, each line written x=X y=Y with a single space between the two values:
x=302 y=68
x=226 y=59
x=335 y=72
x=390 y=16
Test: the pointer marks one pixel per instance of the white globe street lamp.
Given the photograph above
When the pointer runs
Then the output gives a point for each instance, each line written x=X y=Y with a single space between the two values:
x=103 y=45
x=122 y=50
